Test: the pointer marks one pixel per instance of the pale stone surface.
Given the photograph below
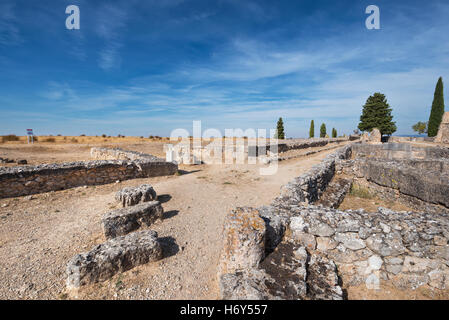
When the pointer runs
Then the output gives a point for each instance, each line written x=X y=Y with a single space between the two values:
x=443 y=131
x=122 y=221
x=133 y=195
x=244 y=236
x=375 y=137
x=114 y=256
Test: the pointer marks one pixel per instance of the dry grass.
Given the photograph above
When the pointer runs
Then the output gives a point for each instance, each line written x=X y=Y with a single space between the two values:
x=77 y=139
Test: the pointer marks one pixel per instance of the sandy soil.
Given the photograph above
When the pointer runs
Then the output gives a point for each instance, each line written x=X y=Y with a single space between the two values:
x=39 y=234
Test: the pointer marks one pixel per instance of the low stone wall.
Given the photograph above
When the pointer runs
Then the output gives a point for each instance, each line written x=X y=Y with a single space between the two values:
x=308 y=187
x=425 y=180
x=409 y=249
x=293 y=144
x=399 y=151
x=409 y=139
x=120 y=154
x=26 y=180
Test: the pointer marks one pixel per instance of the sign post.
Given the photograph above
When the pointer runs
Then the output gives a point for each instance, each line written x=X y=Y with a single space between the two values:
x=30 y=136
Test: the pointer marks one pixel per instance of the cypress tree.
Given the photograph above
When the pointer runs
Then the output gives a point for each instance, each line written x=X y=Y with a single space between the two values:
x=323 y=131
x=280 y=129
x=334 y=133
x=436 y=114
x=376 y=113
x=312 y=129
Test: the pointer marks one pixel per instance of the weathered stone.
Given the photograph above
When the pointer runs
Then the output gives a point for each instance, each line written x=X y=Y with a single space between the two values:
x=437 y=279
x=321 y=230
x=443 y=130
x=350 y=240
x=286 y=272
x=133 y=195
x=275 y=224
x=386 y=245
x=248 y=285
x=122 y=221
x=375 y=136
x=322 y=279
x=305 y=239
x=325 y=243
x=393 y=268
x=297 y=224
x=409 y=281
x=440 y=241
x=375 y=262
x=244 y=247
x=114 y=256
x=419 y=265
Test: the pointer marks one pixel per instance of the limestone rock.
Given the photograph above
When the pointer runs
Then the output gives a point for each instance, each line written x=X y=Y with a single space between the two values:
x=122 y=221
x=248 y=285
x=443 y=131
x=133 y=195
x=244 y=236
x=113 y=256
x=375 y=136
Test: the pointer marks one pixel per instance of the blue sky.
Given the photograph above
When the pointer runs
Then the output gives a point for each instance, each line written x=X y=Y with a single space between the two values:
x=148 y=67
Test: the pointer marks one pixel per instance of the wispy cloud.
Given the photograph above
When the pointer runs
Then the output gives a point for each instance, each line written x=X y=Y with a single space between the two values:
x=111 y=20
x=9 y=32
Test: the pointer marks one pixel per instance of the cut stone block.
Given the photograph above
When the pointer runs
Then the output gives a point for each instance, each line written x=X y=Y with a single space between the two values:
x=123 y=221
x=244 y=247
x=113 y=256
x=133 y=195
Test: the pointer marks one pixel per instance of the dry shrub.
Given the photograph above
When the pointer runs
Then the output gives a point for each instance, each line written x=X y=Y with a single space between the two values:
x=50 y=139
x=10 y=137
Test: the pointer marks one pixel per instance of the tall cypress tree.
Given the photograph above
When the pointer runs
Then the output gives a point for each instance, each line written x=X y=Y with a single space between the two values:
x=323 y=131
x=280 y=129
x=436 y=114
x=334 y=133
x=312 y=129
x=376 y=113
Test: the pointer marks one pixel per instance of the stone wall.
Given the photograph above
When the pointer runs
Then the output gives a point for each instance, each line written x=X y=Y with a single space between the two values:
x=308 y=187
x=26 y=180
x=308 y=248
x=399 y=151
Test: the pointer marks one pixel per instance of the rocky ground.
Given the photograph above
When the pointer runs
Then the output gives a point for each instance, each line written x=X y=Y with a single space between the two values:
x=39 y=234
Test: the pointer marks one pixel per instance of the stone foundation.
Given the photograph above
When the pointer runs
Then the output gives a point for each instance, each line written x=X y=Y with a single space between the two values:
x=123 y=221
x=114 y=256
x=26 y=180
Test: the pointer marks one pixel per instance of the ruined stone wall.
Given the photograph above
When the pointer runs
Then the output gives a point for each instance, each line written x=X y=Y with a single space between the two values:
x=399 y=151
x=308 y=187
x=119 y=154
x=406 y=249
x=26 y=180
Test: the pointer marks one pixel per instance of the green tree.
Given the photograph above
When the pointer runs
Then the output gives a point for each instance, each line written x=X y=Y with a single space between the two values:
x=334 y=133
x=312 y=129
x=280 y=129
x=420 y=127
x=376 y=113
x=436 y=114
x=323 y=131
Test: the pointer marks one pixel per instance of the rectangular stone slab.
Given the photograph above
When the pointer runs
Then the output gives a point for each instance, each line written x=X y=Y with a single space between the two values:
x=113 y=256
x=125 y=220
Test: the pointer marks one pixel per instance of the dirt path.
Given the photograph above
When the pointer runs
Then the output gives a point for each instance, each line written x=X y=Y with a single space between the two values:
x=39 y=236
